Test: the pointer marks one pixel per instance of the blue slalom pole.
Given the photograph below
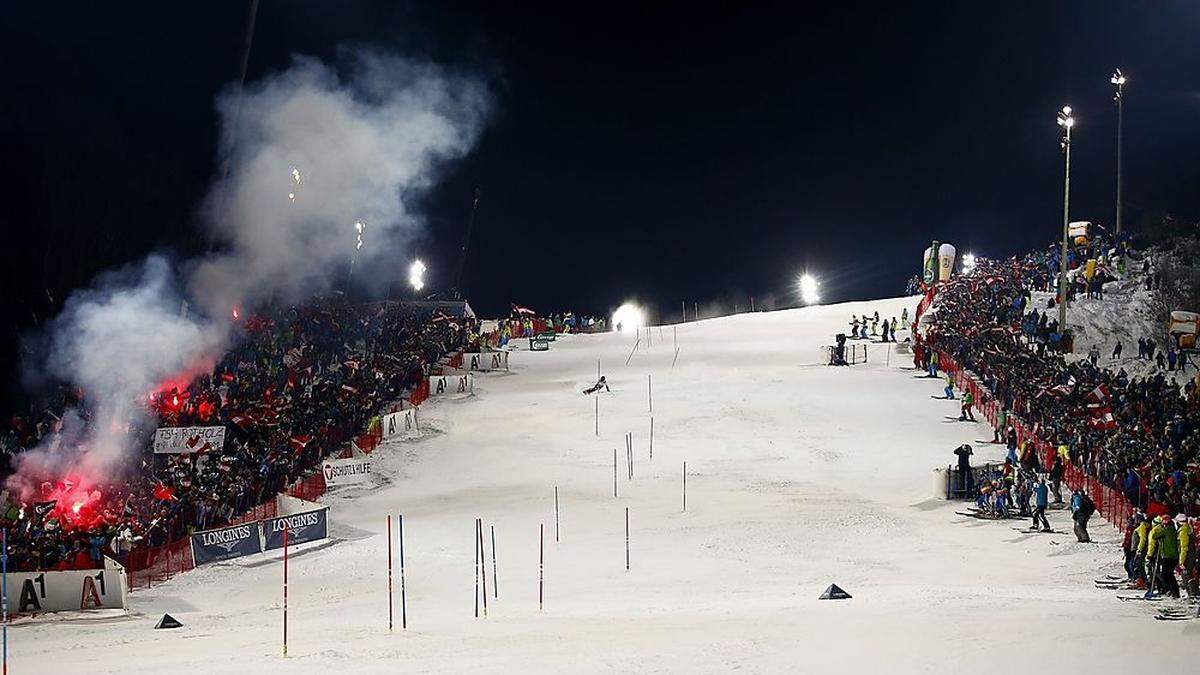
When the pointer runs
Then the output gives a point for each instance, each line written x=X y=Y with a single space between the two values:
x=4 y=591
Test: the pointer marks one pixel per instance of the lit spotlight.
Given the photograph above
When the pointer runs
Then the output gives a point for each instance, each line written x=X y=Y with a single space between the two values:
x=628 y=318
x=416 y=275
x=968 y=263
x=810 y=293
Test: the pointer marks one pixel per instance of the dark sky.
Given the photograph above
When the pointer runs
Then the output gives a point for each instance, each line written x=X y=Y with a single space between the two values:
x=661 y=153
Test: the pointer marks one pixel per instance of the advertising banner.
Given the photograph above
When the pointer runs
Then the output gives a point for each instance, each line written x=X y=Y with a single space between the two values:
x=226 y=543
x=302 y=528
x=346 y=471
x=400 y=423
x=73 y=590
x=486 y=361
x=440 y=385
x=184 y=440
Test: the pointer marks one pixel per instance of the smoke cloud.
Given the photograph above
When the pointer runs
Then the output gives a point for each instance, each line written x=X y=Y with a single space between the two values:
x=366 y=143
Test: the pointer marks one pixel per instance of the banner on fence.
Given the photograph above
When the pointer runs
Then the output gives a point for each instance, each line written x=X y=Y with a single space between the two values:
x=184 y=440
x=400 y=423
x=346 y=471
x=68 y=591
x=226 y=543
x=302 y=528
x=486 y=361
x=441 y=385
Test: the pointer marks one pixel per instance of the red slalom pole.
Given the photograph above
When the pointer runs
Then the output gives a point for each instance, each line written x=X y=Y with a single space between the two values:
x=389 y=557
x=285 y=582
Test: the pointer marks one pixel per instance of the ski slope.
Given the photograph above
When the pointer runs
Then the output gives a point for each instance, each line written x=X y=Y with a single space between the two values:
x=800 y=475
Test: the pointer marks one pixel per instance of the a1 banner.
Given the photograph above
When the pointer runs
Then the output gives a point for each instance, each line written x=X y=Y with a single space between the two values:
x=486 y=361
x=184 y=440
x=226 y=543
x=302 y=527
x=400 y=423
x=346 y=471
x=73 y=590
x=441 y=385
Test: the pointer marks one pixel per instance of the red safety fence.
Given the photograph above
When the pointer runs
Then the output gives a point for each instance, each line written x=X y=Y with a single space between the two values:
x=1111 y=504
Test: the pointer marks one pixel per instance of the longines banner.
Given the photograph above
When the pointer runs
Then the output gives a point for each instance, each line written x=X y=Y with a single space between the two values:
x=184 y=440
x=226 y=543
x=302 y=528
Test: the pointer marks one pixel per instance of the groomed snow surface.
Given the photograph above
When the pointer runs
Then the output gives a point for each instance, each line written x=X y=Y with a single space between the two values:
x=800 y=475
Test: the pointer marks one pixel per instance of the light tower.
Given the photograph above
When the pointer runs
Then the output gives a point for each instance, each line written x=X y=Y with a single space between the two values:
x=1066 y=122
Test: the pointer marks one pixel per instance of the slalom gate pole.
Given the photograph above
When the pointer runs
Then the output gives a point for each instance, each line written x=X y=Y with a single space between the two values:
x=614 y=472
x=675 y=338
x=675 y=359
x=695 y=311
x=752 y=303
x=495 y=584
x=652 y=438
x=631 y=352
x=888 y=362
x=403 y=598
x=650 y=392
x=597 y=367
x=476 y=538
x=389 y=576
x=683 y=310
x=285 y=585
x=597 y=414
x=541 y=562
x=556 y=514
x=482 y=562
x=685 y=486
x=4 y=592
x=626 y=538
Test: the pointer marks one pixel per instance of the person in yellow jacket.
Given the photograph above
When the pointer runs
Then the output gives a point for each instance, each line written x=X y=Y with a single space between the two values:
x=1187 y=558
x=1163 y=554
x=1141 y=543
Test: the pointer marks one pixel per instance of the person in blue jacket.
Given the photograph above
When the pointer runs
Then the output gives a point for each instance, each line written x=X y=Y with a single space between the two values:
x=1041 y=498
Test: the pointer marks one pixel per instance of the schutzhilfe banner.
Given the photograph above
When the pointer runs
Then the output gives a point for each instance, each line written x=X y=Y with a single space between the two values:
x=486 y=361
x=74 y=590
x=226 y=543
x=346 y=471
x=400 y=423
x=442 y=385
x=302 y=528
x=183 y=440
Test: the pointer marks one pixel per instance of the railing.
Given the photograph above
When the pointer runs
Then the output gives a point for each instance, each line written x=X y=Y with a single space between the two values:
x=1111 y=504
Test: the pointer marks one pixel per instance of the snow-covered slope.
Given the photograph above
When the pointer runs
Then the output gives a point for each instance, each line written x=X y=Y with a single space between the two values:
x=801 y=475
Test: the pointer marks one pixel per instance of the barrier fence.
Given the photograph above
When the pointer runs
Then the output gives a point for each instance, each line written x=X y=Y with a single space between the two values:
x=1111 y=504
x=147 y=566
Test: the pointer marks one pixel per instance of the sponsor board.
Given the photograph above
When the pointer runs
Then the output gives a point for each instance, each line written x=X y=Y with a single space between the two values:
x=443 y=385
x=184 y=440
x=72 y=590
x=226 y=543
x=400 y=423
x=302 y=527
x=547 y=335
x=486 y=361
x=537 y=345
x=346 y=471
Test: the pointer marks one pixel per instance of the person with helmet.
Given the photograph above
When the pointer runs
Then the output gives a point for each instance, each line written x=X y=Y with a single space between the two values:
x=1187 y=557
x=1164 y=548
x=965 y=413
x=1140 y=543
x=1041 y=496
x=1082 y=508
x=949 y=390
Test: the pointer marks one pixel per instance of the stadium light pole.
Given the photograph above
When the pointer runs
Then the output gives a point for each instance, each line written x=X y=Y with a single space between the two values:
x=1118 y=81
x=1066 y=121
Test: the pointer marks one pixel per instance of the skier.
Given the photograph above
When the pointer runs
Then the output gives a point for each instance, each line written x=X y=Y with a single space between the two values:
x=1116 y=353
x=1187 y=558
x=1141 y=544
x=1041 y=495
x=965 y=413
x=1056 y=475
x=904 y=316
x=933 y=364
x=884 y=334
x=1001 y=425
x=1094 y=355
x=600 y=384
x=1164 y=543
x=949 y=387
x=1082 y=508
x=875 y=324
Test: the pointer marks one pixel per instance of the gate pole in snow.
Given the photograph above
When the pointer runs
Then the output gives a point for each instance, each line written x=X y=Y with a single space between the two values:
x=4 y=592
x=626 y=538
x=650 y=392
x=483 y=560
x=632 y=351
x=556 y=514
x=495 y=584
x=541 y=562
x=476 y=538
x=403 y=599
x=389 y=576
x=683 y=311
x=285 y=575
x=685 y=486
x=597 y=414
x=614 y=472
x=652 y=438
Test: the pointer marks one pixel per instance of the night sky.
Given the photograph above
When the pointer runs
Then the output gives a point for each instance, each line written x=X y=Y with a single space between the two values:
x=662 y=153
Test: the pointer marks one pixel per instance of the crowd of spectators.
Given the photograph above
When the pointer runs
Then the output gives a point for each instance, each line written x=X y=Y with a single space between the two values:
x=297 y=385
